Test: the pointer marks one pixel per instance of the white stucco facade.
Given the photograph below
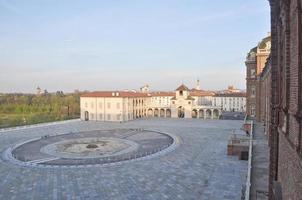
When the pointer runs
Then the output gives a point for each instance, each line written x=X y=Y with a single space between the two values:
x=183 y=103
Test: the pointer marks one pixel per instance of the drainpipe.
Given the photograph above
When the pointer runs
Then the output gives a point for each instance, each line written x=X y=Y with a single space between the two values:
x=299 y=113
x=96 y=109
x=104 y=109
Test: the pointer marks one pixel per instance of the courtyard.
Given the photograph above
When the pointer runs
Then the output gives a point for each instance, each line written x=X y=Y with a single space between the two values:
x=142 y=159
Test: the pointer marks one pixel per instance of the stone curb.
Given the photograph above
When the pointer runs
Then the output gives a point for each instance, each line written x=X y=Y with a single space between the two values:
x=7 y=154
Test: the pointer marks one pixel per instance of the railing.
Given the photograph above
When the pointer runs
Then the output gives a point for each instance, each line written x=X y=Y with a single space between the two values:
x=248 y=179
x=238 y=138
x=245 y=118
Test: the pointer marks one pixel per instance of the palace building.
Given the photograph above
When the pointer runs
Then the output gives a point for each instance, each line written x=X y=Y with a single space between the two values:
x=255 y=63
x=274 y=97
x=182 y=103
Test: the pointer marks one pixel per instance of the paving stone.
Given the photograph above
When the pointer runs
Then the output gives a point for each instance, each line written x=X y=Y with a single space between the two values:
x=197 y=169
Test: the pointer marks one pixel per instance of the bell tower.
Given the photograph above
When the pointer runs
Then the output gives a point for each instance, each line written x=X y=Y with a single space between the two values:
x=197 y=87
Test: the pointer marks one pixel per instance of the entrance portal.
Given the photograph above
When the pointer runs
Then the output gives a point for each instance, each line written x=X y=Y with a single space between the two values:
x=181 y=112
x=86 y=116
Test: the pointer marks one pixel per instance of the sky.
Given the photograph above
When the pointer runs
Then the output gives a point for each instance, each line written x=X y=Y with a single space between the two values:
x=125 y=44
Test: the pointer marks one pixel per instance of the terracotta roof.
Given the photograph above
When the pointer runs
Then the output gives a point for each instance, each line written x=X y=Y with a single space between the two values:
x=163 y=94
x=237 y=94
x=194 y=89
x=115 y=94
x=190 y=98
x=201 y=93
x=182 y=87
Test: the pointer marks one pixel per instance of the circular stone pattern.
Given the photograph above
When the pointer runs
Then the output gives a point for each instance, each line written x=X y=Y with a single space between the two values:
x=89 y=147
x=84 y=148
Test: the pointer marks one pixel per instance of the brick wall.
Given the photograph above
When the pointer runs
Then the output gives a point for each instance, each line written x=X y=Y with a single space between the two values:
x=265 y=96
x=251 y=64
x=286 y=105
x=290 y=168
x=255 y=63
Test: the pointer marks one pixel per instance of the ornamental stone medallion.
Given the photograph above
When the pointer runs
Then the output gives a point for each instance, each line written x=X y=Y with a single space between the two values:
x=96 y=147
x=90 y=148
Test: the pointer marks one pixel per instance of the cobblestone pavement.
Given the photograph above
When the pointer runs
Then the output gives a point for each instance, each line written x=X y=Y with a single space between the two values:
x=197 y=169
x=54 y=150
x=260 y=164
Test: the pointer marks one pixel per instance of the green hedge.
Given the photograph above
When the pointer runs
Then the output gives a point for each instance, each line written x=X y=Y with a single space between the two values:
x=11 y=120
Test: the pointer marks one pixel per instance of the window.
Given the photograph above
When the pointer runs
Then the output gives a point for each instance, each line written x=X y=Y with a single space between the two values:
x=189 y=102
x=117 y=105
x=92 y=105
x=118 y=117
x=108 y=117
x=253 y=73
x=181 y=93
x=253 y=110
x=100 y=105
x=86 y=105
x=91 y=116
x=108 y=105
x=253 y=91
x=101 y=116
x=173 y=102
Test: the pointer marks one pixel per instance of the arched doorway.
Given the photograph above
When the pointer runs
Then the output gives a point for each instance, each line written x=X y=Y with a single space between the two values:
x=150 y=112
x=215 y=114
x=156 y=113
x=168 y=113
x=162 y=113
x=136 y=114
x=209 y=114
x=86 y=116
x=194 y=113
x=139 y=114
x=201 y=114
x=181 y=112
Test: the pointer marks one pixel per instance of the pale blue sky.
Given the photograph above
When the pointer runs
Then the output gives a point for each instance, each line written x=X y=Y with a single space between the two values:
x=118 y=44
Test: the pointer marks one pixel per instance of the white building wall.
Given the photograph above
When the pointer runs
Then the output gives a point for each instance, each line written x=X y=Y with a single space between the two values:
x=230 y=104
x=203 y=101
x=102 y=109
x=160 y=101
x=129 y=108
